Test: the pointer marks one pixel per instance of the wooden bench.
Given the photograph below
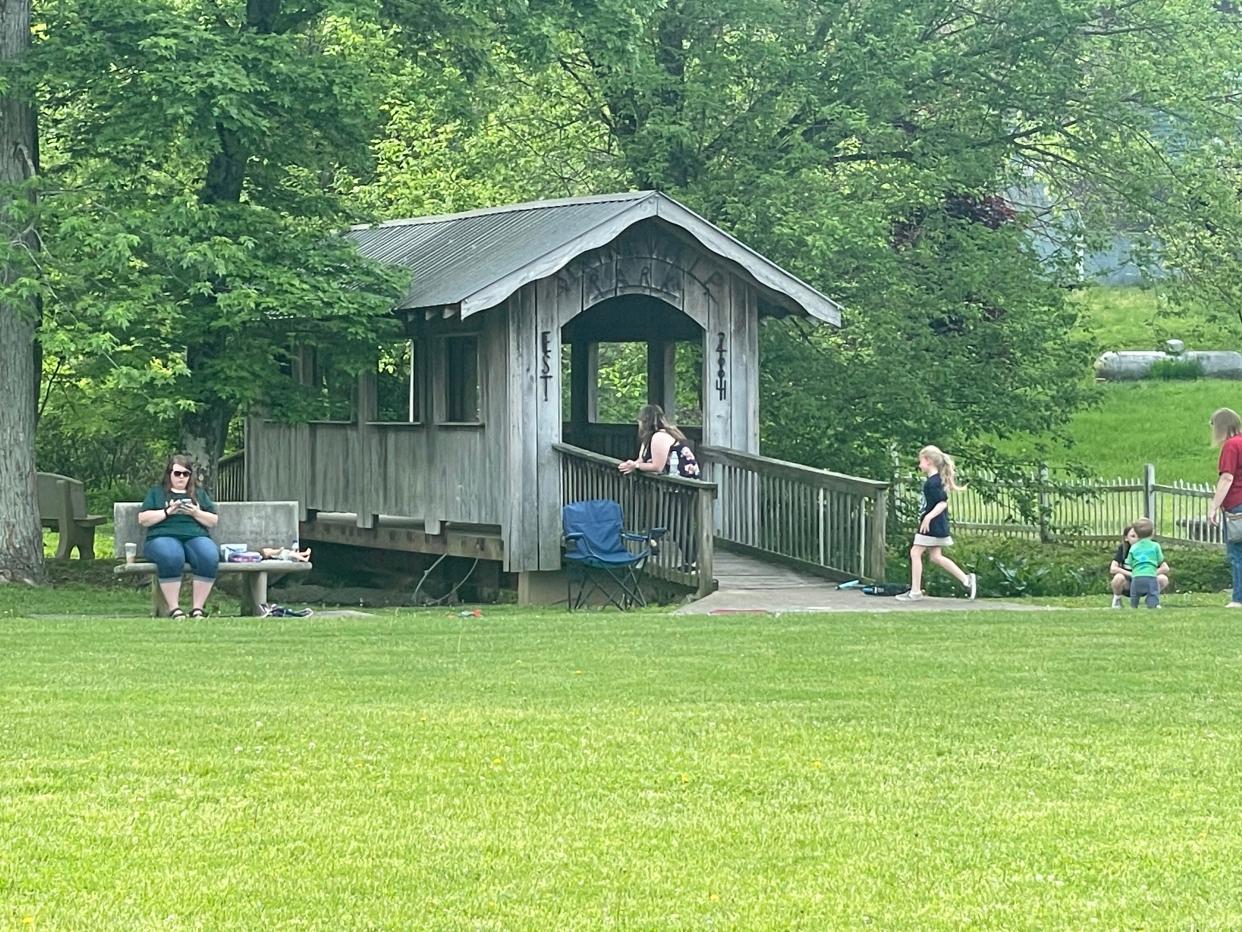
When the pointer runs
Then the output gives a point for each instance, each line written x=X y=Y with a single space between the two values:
x=255 y=524
x=1201 y=530
x=62 y=507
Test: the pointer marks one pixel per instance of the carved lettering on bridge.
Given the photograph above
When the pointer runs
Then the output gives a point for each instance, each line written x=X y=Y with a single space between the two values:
x=545 y=360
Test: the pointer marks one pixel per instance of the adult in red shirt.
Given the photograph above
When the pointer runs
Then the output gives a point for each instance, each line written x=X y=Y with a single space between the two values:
x=1227 y=434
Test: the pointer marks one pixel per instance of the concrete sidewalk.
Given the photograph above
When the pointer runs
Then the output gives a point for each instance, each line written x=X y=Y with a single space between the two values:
x=827 y=598
x=750 y=585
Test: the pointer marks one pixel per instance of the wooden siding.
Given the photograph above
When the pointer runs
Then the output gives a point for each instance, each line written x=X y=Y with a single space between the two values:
x=430 y=472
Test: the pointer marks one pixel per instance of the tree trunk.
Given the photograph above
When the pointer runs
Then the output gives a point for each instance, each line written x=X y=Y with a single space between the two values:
x=21 y=539
x=203 y=433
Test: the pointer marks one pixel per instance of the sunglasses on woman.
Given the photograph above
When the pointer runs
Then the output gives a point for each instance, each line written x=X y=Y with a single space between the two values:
x=180 y=472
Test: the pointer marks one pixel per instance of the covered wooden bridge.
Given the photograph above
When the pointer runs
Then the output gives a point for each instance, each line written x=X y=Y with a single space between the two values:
x=474 y=431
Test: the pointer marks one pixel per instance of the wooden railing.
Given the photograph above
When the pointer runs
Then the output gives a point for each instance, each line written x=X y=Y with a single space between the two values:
x=683 y=506
x=231 y=478
x=619 y=440
x=811 y=518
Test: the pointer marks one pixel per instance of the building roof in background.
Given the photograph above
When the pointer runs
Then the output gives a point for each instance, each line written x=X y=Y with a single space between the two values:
x=475 y=260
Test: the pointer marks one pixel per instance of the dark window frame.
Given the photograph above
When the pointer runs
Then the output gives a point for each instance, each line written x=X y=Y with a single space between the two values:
x=452 y=409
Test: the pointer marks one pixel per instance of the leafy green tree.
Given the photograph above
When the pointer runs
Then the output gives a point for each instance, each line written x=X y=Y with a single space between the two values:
x=191 y=222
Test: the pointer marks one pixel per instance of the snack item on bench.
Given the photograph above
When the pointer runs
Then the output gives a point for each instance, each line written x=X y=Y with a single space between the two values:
x=226 y=549
x=288 y=555
x=245 y=556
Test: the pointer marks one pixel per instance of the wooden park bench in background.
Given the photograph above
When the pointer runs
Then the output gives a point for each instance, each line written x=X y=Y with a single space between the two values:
x=62 y=506
x=255 y=524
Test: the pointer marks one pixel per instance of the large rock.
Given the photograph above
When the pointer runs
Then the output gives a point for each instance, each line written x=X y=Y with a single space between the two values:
x=1136 y=364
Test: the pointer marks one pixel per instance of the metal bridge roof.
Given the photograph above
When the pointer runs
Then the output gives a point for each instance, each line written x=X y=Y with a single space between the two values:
x=475 y=260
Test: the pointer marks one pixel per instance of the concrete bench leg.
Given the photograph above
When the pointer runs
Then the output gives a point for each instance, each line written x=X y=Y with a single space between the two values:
x=253 y=592
x=159 y=608
x=84 y=540
x=64 y=546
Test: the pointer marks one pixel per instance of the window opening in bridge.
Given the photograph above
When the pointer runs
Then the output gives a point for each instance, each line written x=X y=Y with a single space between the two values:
x=689 y=369
x=332 y=385
x=461 y=380
x=396 y=385
x=622 y=387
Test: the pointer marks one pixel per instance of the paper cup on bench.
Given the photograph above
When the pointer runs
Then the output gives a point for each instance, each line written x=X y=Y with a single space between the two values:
x=131 y=553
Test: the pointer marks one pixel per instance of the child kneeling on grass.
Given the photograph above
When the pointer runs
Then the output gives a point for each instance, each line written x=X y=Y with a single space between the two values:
x=1144 y=561
x=1120 y=573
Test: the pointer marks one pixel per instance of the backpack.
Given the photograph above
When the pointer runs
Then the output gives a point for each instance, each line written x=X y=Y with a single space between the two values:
x=687 y=465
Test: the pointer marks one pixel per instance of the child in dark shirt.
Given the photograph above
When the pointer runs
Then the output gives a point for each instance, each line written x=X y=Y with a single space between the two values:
x=933 y=534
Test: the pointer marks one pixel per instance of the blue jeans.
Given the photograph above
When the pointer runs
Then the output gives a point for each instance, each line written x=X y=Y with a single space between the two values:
x=170 y=556
x=1235 y=558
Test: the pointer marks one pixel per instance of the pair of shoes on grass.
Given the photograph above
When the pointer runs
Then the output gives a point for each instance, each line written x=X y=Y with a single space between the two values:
x=275 y=610
x=178 y=615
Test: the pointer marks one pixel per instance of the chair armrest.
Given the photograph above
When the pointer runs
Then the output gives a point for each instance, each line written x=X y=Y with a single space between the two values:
x=654 y=533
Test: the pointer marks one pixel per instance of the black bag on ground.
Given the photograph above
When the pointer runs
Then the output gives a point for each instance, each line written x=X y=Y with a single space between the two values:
x=885 y=589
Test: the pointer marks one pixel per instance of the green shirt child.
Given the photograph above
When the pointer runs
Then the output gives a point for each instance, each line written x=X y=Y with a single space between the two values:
x=1145 y=557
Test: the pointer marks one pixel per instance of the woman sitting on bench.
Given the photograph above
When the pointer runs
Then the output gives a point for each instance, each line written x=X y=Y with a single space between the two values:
x=178 y=517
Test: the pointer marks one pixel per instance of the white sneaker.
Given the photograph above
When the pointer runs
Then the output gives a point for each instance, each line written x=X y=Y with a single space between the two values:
x=972 y=586
x=1234 y=605
x=1116 y=602
x=909 y=597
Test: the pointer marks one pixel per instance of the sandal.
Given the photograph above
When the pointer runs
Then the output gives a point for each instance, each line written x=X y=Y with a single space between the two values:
x=197 y=613
x=177 y=615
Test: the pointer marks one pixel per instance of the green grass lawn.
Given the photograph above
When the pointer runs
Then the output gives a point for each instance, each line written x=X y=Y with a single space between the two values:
x=527 y=770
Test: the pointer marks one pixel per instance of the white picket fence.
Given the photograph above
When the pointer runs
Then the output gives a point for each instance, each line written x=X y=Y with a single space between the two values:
x=1074 y=509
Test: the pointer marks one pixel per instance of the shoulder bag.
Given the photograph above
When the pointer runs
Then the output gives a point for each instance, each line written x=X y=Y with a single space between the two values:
x=1233 y=527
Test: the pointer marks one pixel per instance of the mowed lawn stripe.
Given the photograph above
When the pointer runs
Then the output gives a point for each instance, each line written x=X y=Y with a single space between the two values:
x=540 y=770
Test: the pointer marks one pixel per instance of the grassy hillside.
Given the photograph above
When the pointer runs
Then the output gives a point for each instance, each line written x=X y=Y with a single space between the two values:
x=1135 y=318
x=1163 y=423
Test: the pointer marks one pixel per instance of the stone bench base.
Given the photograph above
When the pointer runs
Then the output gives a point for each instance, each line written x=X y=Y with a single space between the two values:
x=254 y=577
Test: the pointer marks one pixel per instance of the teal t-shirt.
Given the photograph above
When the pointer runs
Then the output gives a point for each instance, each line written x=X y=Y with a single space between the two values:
x=1144 y=557
x=182 y=527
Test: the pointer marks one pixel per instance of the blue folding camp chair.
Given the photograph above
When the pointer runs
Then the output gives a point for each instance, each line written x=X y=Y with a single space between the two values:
x=597 y=557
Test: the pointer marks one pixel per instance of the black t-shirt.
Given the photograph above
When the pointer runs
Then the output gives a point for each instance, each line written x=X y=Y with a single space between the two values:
x=1122 y=552
x=932 y=495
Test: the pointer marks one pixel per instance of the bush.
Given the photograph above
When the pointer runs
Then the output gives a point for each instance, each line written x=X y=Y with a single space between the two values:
x=1008 y=567
x=1177 y=370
